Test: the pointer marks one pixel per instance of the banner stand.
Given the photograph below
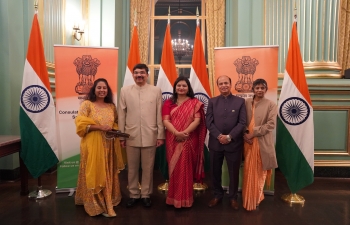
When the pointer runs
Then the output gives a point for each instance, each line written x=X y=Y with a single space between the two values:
x=248 y=63
x=77 y=68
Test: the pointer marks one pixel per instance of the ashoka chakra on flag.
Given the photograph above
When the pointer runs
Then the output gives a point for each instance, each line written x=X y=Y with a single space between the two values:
x=294 y=111
x=35 y=98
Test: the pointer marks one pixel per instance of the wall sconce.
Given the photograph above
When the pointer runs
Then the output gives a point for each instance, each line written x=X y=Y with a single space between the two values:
x=78 y=30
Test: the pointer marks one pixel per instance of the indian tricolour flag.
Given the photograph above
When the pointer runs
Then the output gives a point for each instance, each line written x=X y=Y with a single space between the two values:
x=295 y=125
x=199 y=79
x=37 y=109
x=133 y=59
x=166 y=78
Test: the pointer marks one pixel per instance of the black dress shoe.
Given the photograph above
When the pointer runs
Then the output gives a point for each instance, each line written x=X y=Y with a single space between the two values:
x=131 y=202
x=146 y=202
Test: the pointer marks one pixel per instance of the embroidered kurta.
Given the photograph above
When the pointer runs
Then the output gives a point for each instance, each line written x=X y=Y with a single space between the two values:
x=98 y=183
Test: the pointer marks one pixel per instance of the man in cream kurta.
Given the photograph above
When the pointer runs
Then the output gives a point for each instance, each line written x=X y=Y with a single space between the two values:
x=139 y=114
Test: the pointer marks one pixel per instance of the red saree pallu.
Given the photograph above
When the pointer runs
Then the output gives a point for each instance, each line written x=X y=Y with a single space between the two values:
x=185 y=159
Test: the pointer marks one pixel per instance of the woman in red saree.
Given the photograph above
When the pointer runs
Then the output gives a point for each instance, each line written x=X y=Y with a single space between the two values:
x=183 y=117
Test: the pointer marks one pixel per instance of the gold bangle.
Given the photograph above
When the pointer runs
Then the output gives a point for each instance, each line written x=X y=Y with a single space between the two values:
x=87 y=128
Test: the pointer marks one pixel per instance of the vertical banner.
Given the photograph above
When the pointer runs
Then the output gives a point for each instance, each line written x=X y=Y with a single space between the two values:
x=76 y=68
x=244 y=65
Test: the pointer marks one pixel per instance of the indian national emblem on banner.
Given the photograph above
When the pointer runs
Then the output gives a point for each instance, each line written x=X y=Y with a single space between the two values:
x=245 y=67
x=86 y=68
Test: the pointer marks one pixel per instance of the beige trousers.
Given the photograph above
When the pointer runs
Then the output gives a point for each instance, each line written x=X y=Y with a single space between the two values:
x=146 y=156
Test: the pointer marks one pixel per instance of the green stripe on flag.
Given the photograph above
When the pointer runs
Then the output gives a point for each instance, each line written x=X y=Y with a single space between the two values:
x=291 y=161
x=206 y=159
x=161 y=161
x=36 y=153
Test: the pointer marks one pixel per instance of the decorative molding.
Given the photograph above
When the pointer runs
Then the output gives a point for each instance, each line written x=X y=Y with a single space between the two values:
x=325 y=85
x=337 y=163
x=85 y=15
x=321 y=65
x=330 y=99
x=41 y=17
x=330 y=92
x=50 y=65
x=318 y=76
x=316 y=19
x=52 y=74
x=332 y=152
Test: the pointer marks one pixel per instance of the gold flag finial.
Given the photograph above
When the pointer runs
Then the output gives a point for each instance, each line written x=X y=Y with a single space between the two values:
x=135 y=16
x=295 y=11
x=36 y=7
x=197 y=13
x=169 y=15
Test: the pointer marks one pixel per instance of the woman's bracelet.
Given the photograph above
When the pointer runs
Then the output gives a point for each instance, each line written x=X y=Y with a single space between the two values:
x=87 y=128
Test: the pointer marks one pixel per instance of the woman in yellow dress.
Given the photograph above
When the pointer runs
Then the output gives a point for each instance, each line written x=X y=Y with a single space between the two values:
x=100 y=156
x=259 y=147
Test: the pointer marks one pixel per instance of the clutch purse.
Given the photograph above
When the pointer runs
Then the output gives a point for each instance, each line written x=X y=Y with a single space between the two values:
x=117 y=133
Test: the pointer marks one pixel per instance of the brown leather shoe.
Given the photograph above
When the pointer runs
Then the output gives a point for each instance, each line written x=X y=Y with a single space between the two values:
x=234 y=204
x=214 y=202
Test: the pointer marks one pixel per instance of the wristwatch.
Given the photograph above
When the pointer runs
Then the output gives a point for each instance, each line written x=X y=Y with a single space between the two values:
x=228 y=137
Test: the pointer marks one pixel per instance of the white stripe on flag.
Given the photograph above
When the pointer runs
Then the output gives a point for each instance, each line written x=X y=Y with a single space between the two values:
x=163 y=82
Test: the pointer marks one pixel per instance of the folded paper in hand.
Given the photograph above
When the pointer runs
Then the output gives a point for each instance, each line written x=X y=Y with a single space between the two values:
x=117 y=133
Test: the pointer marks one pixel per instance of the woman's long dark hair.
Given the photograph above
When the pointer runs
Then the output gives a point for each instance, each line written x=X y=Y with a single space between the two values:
x=92 y=97
x=190 y=92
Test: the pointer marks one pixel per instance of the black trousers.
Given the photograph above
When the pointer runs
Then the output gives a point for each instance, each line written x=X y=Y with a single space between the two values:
x=233 y=160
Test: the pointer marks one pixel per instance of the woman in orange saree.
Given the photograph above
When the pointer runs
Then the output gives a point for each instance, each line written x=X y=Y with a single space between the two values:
x=259 y=149
x=100 y=157
x=183 y=116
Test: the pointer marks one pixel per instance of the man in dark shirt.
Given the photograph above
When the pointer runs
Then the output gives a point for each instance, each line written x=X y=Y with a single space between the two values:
x=226 y=122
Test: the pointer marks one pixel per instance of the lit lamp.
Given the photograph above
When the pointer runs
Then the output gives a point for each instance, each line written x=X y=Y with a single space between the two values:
x=78 y=31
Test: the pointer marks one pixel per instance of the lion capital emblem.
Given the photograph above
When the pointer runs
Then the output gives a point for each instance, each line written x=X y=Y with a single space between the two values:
x=86 y=68
x=245 y=68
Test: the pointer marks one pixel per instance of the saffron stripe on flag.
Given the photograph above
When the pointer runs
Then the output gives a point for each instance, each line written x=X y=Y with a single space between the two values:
x=133 y=58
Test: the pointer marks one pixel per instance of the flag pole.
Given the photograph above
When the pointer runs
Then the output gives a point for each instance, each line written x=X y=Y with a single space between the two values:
x=294 y=198
x=199 y=186
x=165 y=186
x=40 y=192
